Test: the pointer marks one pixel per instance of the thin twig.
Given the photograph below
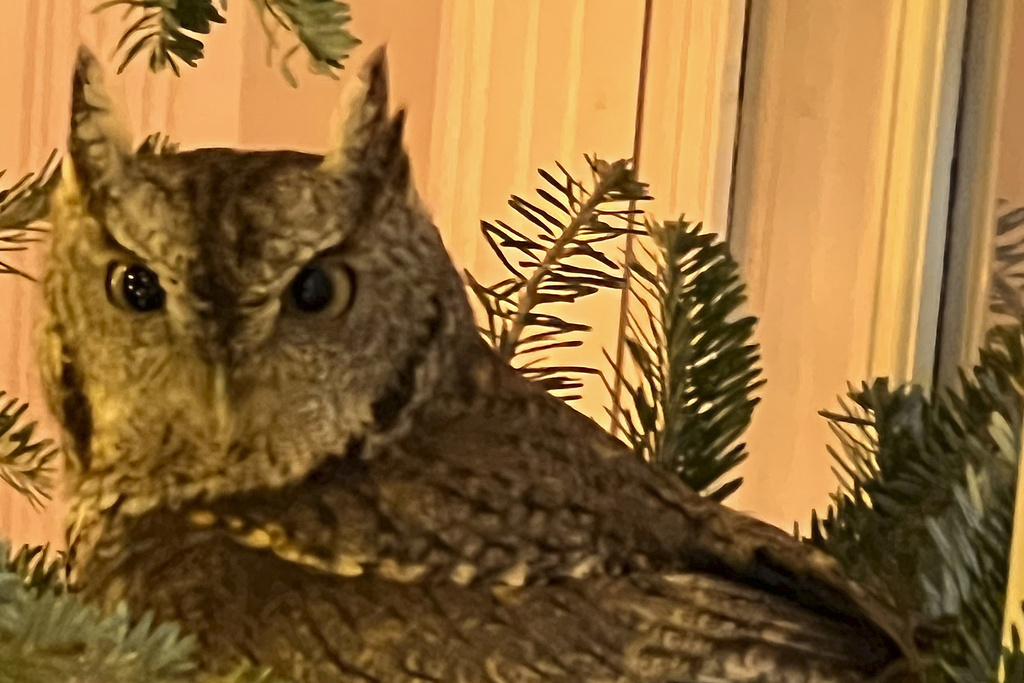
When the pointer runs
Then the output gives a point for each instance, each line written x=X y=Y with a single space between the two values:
x=620 y=339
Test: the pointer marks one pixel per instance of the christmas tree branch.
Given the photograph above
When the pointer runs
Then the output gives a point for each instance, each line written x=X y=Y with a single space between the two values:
x=698 y=365
x=168 y=28
x=559 y=263
x=320 y=27
x=48 y=636
x=171 y=29
x=26 y=465
x=924 y=514
x=22 y=206
x=611 y=179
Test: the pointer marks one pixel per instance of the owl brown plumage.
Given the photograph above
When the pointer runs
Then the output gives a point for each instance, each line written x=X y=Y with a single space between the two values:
x=289 y=436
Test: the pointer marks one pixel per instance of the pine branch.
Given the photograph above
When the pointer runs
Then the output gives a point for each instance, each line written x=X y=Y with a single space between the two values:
x=609 y=177
x=556 y=260
x=167 y=29
x=26 y=465
x=1013 y=658
x=157 y=144
x=1006 y=305
x=924 y=514
x=22 y=206
x=320 y=27
x=170 y=31
x=39 y=568
x=698 y=364
x=48 y=636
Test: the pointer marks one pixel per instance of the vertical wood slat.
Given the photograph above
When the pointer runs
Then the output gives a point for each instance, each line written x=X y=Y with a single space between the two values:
x=812 y=168
x=914 y=194
x=1010 y=186
x=18 y=37
x=972 y=221
x=522 y=85
x=990 y=158
x=689 y=126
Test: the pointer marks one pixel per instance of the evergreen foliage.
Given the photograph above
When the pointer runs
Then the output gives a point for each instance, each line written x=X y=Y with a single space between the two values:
x=48 y=636
x=26 y=464
x=555 y=259
x=1007 y=281
x=319 y=25
x=698 y=364
x=21 y=206
x=1013 y=658
x=925 y=512
x=167 y=28
x=170 y=31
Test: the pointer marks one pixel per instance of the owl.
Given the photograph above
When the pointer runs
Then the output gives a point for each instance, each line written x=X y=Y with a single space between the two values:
x=286 y=433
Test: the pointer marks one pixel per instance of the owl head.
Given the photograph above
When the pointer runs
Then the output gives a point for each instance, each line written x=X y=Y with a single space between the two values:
x=220 y=320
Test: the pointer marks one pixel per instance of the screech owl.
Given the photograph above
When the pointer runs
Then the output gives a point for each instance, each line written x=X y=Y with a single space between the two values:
x=288 y=436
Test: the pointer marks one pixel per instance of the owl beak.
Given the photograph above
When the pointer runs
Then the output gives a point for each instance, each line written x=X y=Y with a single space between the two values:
x=220 y=404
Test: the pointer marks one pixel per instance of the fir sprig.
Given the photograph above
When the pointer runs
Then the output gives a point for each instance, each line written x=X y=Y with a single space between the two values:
x=924 y=515
x=40 y=569
x=26 y=465
x=1013 y=658
x=320 y=27
x=1007 y=280
x=157 y=144
x=22 y=206
x=556 y=260
x=48 y=636
x=699 y=368
x=171 y=30
x=167 y=29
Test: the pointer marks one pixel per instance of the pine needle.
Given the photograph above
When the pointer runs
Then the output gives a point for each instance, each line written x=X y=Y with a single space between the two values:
x=22 y=207
x=924 y=518
x=170 y=31
x=554 y=259
x=26 y=465
x=699 y=368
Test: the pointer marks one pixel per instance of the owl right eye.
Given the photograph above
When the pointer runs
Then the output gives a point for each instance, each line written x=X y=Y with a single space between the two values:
x=135 y=287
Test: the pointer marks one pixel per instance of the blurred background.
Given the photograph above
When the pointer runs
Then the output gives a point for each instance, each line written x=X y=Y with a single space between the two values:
x=856 y=154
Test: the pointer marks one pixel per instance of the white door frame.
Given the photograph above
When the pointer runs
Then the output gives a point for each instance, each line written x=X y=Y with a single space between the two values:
x=972 y=227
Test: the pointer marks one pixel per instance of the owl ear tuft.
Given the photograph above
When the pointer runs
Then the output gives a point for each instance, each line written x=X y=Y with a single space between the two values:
x=366 y=140
x=99 y=144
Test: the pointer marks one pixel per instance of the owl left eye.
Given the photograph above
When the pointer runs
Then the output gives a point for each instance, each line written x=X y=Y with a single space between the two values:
x=135 y=287
x=321 y=289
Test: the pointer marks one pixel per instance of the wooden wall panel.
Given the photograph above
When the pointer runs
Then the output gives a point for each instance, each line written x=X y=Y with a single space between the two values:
x=690 y=108
x=839 y=214
x=811 y=140
x=521 y=88
x=994 y=174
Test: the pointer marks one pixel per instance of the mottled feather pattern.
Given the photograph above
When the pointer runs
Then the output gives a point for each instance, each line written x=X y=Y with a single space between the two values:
x=367 y=493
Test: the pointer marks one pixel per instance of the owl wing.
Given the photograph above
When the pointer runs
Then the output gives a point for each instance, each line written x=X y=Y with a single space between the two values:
x=518 y=489
x=448 y=512
x=315 y=626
